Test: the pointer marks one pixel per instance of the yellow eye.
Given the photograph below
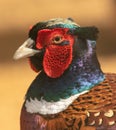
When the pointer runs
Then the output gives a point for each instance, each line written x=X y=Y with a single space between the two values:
x=57 y=39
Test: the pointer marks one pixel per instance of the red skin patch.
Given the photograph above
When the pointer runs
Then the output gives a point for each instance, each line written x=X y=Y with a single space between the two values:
x=57 y=57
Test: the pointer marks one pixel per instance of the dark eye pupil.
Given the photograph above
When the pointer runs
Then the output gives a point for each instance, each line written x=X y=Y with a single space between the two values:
x=57 y=38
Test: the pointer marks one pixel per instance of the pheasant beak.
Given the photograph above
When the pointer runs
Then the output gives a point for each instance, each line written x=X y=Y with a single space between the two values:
x=25 y=50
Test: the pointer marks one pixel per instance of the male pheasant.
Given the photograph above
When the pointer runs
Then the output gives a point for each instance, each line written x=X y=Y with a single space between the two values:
x=70 y=92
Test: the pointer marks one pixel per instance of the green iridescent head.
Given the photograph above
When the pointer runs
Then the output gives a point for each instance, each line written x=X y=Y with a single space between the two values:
x=82 y=32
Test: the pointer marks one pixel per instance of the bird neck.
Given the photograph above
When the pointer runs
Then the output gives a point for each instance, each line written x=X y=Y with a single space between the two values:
x=87 y=70
x=86 y=65
x=83 y=73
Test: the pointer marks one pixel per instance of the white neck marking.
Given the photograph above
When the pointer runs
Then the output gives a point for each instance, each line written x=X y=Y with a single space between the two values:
x=43 y=107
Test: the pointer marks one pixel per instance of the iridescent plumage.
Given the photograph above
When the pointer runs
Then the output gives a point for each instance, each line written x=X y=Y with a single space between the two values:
x=71 y=92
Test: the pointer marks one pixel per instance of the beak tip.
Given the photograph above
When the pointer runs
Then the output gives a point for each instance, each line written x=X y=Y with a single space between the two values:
x=16 y=56
x=25 y=51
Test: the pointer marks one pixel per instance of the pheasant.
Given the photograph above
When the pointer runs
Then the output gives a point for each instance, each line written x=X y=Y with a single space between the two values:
x=70 y=92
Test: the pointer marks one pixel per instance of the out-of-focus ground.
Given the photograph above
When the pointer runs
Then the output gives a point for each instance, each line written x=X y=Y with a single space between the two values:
x=15 y=19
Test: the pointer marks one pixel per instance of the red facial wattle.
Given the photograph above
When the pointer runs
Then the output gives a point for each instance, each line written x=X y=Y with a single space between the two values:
x=58 y=56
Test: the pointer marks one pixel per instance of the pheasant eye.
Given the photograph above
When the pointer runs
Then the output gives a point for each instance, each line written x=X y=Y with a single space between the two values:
x=57 y=39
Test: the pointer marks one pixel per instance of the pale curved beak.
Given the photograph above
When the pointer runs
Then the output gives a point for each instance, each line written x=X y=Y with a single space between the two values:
x=25 y=50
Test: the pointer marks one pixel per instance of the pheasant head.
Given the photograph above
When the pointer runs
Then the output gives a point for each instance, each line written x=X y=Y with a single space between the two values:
x=50 y=45
x=71 y=91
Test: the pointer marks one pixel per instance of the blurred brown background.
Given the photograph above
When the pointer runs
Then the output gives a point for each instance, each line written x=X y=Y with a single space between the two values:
x=15 y=19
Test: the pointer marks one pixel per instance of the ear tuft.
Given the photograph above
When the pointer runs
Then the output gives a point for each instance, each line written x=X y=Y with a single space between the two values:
x=86 y=32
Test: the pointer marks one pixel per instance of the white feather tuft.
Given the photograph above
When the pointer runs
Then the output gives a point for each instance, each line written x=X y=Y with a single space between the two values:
x=44 y=107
